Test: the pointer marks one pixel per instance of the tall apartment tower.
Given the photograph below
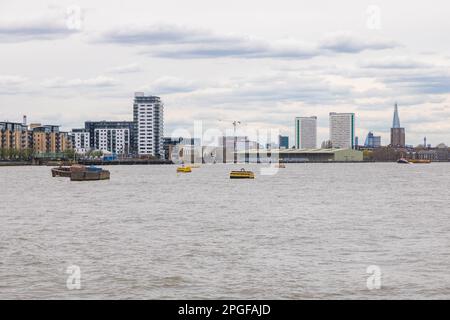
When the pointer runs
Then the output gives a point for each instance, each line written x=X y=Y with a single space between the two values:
x=397 y=132
x=342 y=130
x=306 y=132
x=148 y=115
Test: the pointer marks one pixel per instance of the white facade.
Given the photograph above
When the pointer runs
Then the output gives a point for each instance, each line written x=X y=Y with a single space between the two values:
x=342 y=130
x=116 y=141
x=81 y=141
x=149 y=117
x=306 y=132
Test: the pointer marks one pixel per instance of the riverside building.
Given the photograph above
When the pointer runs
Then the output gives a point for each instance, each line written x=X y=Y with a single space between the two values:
x=48 y=139
x=342 y=130
x=14 y=136
x=43 y=140
x=80 y=140
x=148 y=115
x=114 y=137
x=305 y=132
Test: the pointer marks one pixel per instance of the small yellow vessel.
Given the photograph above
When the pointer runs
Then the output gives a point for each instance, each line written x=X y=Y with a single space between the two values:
x=242 y=174
x=280 y=165
x=419 y=161
x=184 y=169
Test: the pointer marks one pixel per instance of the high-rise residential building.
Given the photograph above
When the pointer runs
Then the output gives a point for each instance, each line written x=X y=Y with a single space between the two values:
x=372 y=141
x=283 y=142
x=148 y=114
x=80 y=140
x=306 y=132
x=397 y=132
x=342 y=130
x=115 y=137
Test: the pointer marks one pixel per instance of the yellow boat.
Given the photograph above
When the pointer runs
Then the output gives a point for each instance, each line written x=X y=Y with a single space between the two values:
x=280 y=165
x=419 y=161
x=242 y=174
x=184 y=169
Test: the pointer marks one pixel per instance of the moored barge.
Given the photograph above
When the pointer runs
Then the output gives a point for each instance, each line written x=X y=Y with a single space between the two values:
x=81 y=173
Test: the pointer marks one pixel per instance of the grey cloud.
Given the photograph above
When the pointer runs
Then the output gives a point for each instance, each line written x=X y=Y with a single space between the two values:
x=129 y=68
x=395 y=63
x=97 y=82
x=177 y=42
x=348 y=43
x=169 y=85
x=160 y=34
x=427 y=82
x=35 y=29
x=270 y=90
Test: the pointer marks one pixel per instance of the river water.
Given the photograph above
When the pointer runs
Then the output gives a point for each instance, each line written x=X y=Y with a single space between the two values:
x=310 y=231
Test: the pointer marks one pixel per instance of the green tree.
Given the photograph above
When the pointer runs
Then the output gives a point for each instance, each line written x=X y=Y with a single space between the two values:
x=69 y=154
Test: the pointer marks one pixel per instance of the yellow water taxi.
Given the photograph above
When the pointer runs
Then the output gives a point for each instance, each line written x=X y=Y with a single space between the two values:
x=242 y=174
x=184 y=169
x=419 y=161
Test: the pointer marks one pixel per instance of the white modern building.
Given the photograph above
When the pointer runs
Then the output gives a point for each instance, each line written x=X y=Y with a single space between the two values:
x=305 y=132
x=342 y=130
x=148 y=115
x=80 y=140
x=115 y=141
x=111 y=136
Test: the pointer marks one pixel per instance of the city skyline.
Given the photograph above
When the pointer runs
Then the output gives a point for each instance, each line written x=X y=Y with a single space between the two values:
x=204 y=68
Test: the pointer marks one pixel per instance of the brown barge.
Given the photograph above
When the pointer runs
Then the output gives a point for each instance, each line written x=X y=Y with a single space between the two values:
x=81 y=173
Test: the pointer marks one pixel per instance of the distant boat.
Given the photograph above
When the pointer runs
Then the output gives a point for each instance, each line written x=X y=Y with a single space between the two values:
x=402 y=160
x=184 y=169
x=419 y=161
x=242 y=174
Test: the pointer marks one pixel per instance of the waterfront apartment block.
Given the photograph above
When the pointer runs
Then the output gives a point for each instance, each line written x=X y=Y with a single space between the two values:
x=148 y=114
x=48 y=139
x=305 y=132
x=116 y=141
x=42 y=139
x=80 y=140
x=114 y=137
x=14 y=136
x=342 y=130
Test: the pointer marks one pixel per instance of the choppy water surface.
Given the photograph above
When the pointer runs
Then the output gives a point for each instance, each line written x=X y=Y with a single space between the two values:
x=309 y=231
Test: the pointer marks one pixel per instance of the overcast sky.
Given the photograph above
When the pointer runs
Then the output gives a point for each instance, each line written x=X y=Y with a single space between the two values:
x=261 y=62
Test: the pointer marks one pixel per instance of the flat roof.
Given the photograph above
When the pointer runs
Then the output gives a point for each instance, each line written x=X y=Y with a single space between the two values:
x=297 y=151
